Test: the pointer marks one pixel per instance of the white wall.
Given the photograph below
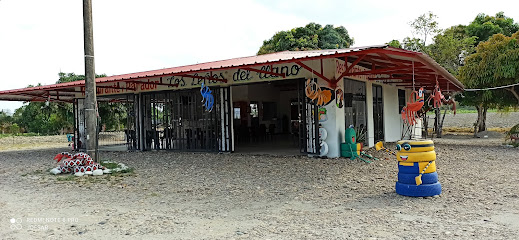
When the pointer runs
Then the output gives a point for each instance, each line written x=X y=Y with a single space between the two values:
x=392 y=118
x=371 y=123
x=335 y=123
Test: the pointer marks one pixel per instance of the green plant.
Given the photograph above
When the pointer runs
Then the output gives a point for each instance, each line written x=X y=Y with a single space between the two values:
x=360 y=131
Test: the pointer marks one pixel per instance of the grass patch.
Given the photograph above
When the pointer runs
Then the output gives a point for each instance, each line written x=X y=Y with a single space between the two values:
x=18 y=134
x=66 y=178
x=109 y=164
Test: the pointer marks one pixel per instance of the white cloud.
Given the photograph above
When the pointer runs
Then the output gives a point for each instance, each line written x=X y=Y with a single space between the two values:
x=40 y=38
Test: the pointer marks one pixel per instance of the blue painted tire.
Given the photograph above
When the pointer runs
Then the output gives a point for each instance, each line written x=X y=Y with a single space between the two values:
x=424 y=190
x=409 y=178
x=416 y=167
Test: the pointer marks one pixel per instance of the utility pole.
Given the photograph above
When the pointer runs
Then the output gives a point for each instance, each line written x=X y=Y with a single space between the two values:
x=90 y=83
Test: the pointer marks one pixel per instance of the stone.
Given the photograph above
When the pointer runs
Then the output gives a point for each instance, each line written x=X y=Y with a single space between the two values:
x=88 y=173
x=107 y=171
x=55 y=171
x=97 y=172
x=79 y=174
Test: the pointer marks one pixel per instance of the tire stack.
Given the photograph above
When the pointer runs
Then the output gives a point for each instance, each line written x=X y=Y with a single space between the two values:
x=417 y=176
x=350 y=148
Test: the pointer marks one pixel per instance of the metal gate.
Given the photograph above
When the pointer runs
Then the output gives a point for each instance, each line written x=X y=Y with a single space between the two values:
x=177 y=120
x=309 y=122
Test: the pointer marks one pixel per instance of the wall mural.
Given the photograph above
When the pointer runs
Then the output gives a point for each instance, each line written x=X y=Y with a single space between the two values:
x=322 y=115
x=207 y=98
x=322 y=96
x=339 y=97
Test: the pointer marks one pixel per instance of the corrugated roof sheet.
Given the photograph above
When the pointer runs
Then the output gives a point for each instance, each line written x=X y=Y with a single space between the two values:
x=274 y=58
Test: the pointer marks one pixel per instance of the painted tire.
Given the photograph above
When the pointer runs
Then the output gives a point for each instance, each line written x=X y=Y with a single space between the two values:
x=416 y=156
x=323 y=134
x=347 y=154
x=424 y=190
x=324 y=149
x=346 y=147
x=417 y=146
x=416 y=167
x=409 y=178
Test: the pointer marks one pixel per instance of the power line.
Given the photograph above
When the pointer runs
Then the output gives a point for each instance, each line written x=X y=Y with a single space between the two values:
x=492 y=88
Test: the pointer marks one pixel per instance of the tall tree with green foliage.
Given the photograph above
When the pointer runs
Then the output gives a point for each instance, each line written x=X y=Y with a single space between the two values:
x=484 y=27
x=495 y=63
x=312 y=36
x=450 y=47
x=48 y=117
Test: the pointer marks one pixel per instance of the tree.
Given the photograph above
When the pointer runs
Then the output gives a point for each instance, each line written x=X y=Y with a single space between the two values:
x=495 y=63
x=450 y=47
x=424 y=26
x=48 y=117
x=312 y=36
x=413 y=44
x=394 y=43
x=484 y=26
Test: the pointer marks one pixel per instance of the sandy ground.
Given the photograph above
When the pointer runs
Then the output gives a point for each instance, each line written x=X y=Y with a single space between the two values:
x=234 y=196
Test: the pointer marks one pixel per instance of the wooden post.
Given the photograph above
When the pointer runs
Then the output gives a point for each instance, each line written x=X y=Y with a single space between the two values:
x=90 y=84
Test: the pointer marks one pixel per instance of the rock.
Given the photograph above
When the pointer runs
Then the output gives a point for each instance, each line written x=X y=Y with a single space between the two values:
x=107 y=171
x=79 y=174
x=55 y=171
x=88 y=173
x=97 y=172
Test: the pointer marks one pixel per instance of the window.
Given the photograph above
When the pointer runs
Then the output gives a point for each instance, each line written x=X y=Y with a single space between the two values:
x=237 y=113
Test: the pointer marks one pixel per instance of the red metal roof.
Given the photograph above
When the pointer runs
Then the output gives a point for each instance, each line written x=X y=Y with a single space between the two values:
x=385 y=59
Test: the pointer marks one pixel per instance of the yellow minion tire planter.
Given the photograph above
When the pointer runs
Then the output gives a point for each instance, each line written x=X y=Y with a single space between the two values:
x=416 y=167
x=417 y=161
x=416 y=156
x=415 y=146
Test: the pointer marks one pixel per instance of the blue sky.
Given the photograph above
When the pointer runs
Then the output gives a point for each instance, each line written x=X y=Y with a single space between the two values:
x=40 y=38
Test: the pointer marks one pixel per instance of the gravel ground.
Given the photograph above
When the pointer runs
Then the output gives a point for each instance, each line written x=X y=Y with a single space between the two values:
x=232 y=196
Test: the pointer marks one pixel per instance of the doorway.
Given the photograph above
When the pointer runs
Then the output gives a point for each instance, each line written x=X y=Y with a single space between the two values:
x=270 y=117
x=378 y=113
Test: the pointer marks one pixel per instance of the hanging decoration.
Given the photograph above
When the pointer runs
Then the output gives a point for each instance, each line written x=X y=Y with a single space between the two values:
x=207 y=97
x=416 y=102
x=439 y=99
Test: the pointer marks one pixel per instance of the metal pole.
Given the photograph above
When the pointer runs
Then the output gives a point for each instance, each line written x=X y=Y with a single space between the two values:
x=90 y=85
